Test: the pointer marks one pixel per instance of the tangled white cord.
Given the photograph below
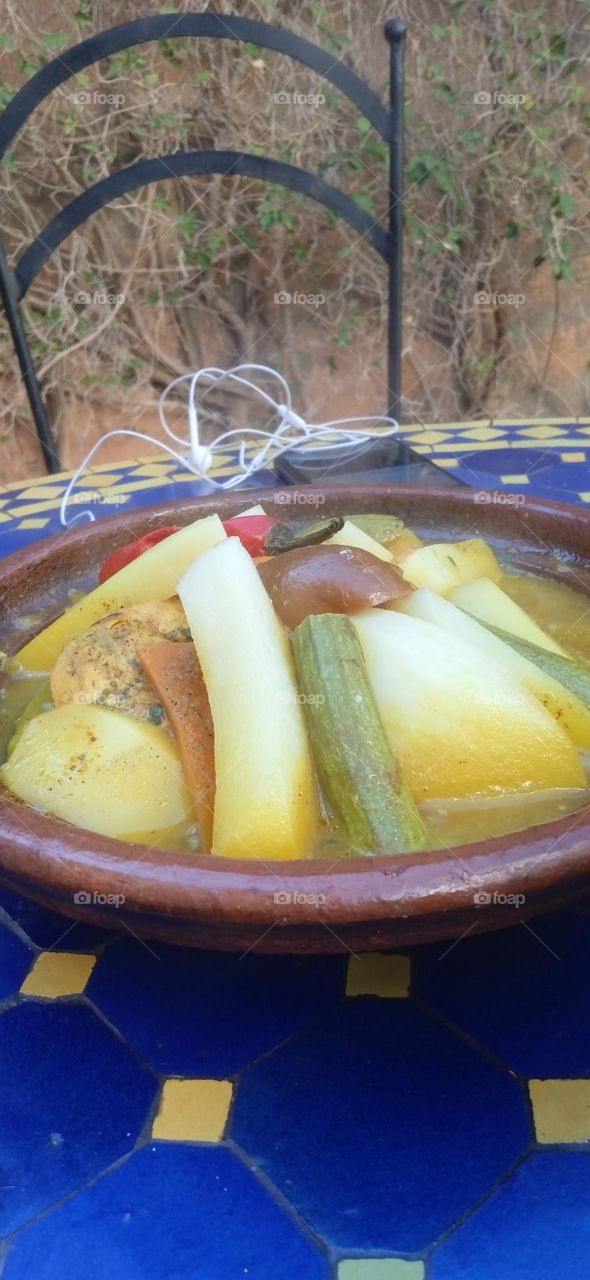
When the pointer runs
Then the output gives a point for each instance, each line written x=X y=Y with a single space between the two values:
x=291 y=432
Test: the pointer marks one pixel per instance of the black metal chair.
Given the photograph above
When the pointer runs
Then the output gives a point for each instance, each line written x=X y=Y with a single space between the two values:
x=388 y=121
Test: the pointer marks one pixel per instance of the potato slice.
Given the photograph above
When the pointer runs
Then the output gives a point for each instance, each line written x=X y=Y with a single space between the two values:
x=100 y=770
x=444 y=565
x=153 y=576
x=351 y=536
x=265 y=797
x=486 y=600
x=458 y=723
x=565 y=707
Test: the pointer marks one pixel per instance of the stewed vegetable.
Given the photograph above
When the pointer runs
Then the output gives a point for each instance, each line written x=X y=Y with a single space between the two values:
x=267 y=688
x=329 y=579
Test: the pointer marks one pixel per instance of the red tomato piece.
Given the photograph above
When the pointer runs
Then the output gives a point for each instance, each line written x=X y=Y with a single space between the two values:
x=124 y=555
x=251 y=530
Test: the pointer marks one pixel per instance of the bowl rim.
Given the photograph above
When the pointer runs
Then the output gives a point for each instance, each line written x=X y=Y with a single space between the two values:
x=39 y=849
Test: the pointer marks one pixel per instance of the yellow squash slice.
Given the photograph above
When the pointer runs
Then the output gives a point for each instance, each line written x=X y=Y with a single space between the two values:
x=153 y=576
x=488 y=602
x=265 y=793
x=444 y=565
x=565 y=707
x=460 y=725
x=351 y=536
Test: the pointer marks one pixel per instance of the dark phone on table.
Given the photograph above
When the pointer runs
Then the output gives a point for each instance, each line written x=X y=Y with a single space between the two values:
x=378 y=462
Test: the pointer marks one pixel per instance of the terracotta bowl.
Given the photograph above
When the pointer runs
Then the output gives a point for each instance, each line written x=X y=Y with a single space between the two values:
x=299 y=906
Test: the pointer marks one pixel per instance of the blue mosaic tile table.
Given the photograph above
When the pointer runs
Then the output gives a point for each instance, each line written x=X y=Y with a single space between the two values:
x=184 y=1115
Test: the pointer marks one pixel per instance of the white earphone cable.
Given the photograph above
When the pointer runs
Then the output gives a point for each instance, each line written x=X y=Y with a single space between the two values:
x=292 y=432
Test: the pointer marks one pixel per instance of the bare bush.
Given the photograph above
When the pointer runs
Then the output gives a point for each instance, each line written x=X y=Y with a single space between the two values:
x=187 y=272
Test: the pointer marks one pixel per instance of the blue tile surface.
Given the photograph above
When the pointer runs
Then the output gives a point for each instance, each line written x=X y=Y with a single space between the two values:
x=536 y=1227
x=169 y=1213
x=49 y=929
x=72 y=1100
x=384 y=1126
x=351 y=1118
x=520 y=992
x=198 y=1013
x=15 y=961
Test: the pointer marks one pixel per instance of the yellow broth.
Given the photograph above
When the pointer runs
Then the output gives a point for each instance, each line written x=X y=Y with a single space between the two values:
x=559 y=609
x=563 y=612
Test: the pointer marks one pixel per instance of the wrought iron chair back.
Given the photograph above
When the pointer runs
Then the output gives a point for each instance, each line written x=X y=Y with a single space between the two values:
x=386 y=120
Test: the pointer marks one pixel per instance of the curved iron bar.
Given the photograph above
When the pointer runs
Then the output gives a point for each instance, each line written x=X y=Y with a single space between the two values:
x=388 y=123
x=171 y=26
x=181 y=164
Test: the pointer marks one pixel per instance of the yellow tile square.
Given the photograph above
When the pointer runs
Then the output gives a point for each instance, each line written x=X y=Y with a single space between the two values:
x=58 y=973
x=380 y=1269
x=374 y=974
x=573 y=457
x=482 y=433
x=514 y=479
x=561 y=1110
x=427 y=437
x=103 y=481
x=36 y=522
x=41 y=492
x=151 y=469
x=193 y=1110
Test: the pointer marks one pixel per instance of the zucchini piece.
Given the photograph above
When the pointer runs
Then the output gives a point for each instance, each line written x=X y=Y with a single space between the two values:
x=487 y=602
x=41 y=701
x=368 y=799
x=287 y=535
x=459 y=723
x=570 y=712
x=16 y=698
x=567 y=671
x=383 y=528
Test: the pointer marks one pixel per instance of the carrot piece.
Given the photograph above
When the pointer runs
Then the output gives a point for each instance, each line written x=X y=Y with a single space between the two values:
x=174 y=670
